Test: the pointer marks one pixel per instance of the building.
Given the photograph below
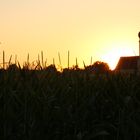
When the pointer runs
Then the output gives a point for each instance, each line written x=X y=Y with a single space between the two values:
x=129 y=64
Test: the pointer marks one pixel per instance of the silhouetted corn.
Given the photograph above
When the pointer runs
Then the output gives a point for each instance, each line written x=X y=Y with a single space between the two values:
x=74 y=104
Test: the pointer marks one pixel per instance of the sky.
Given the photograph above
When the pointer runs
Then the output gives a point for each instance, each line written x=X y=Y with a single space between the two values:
x=101 y=29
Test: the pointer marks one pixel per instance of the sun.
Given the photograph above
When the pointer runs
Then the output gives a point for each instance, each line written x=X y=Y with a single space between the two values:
x=115 y=52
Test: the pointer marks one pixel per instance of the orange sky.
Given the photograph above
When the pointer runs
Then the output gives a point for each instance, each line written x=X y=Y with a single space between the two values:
x=103 y=29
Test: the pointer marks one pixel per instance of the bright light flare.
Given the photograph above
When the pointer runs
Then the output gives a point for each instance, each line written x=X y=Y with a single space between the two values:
x=116 y=51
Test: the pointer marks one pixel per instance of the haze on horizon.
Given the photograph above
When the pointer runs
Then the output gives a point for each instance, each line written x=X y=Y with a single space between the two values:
x=102 y=29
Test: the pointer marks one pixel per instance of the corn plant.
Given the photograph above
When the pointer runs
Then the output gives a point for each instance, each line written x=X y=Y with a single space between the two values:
x=43 y=103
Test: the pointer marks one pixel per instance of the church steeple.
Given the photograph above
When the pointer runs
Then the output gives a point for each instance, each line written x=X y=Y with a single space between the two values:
x=139 y=42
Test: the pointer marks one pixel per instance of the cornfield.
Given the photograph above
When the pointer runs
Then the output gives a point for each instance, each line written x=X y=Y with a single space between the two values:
x=70 y=105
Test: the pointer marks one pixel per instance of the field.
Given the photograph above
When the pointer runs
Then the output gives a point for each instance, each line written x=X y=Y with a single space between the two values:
x=73 y=104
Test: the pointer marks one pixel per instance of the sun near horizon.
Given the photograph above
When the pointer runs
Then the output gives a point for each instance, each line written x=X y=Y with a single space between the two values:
x=104 y=31
x=118 y=50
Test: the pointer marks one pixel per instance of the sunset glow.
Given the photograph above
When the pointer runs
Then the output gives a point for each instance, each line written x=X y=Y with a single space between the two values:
x=104 y=30
x=116 y=51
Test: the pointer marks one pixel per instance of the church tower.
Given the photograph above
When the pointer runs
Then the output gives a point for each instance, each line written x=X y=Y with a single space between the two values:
x=139 y=42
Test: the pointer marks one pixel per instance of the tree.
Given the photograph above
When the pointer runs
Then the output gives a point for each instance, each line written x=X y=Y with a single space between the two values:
x=13 y=67
x=51 y=68
x=101 y=67
x=98 y=67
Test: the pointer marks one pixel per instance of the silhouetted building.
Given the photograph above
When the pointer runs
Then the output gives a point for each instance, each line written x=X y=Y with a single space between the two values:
x=129 y=64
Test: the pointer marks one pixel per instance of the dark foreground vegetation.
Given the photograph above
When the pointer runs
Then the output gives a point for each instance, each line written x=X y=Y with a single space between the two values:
x=75 y=104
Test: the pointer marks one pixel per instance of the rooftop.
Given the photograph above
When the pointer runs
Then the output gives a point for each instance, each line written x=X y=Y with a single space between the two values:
x=128 y=63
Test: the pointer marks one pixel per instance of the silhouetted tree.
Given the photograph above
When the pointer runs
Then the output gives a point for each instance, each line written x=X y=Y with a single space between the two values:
x=101 y=67
x=51 y=68
x=98 y=67
x=12 y=67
